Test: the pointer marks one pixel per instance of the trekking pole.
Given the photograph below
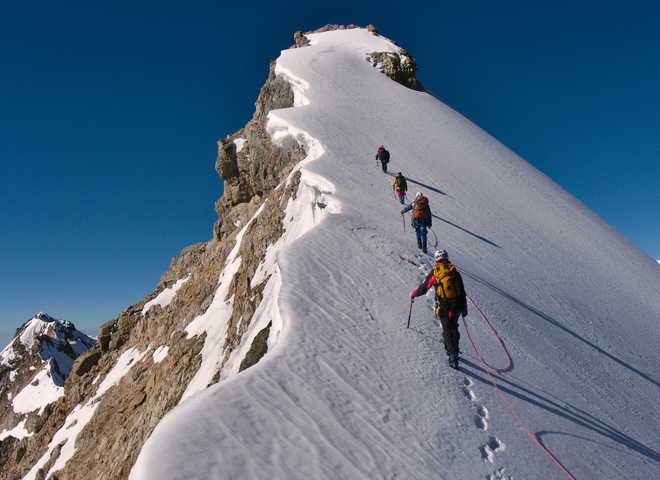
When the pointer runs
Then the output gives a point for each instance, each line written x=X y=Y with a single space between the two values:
x=403 y=218
x=410 y=312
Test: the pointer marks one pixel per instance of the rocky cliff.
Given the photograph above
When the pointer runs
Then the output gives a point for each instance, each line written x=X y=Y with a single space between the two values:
x=154 y=354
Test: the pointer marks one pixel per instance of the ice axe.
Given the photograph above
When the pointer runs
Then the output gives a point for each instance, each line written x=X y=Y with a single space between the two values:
x=410 y=312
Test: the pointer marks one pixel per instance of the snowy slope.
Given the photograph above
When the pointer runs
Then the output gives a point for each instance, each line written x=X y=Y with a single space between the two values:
x=347 y=391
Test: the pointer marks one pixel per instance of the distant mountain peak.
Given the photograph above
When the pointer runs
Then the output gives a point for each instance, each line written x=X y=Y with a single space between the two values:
x=34 y=366
x=48 y=337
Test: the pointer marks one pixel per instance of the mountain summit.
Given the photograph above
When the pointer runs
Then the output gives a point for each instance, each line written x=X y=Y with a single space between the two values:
x=279 y=349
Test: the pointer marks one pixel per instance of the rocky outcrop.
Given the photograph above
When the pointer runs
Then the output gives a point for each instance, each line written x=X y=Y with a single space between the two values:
x=258 y=348
x=399 y=66
x=249 y=163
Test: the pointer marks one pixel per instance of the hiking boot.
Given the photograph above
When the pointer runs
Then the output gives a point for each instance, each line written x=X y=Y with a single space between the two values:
x=424 y=247
x=419 y=243
x=453 y=361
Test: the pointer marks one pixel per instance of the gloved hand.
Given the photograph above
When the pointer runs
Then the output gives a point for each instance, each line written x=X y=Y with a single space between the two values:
x=465 y=312
x=412 y=295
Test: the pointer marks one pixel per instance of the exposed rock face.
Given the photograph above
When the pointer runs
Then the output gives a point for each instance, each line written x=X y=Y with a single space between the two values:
x=258 y=348
x=249 y=163
x=144 y=360
x=400 y=67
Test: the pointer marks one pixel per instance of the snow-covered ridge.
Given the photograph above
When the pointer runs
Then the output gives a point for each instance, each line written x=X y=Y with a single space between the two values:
x=349 y=391
x=312 y=202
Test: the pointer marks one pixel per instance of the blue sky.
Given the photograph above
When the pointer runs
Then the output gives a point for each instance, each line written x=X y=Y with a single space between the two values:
x=110 y=114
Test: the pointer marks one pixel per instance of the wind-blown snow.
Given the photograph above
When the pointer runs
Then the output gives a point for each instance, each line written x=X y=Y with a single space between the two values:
x=347 y=391
x=165 y=297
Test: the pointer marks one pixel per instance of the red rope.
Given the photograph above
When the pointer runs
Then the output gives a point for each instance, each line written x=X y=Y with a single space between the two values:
x=486 y=366
x=436 y=238
x=494 y=333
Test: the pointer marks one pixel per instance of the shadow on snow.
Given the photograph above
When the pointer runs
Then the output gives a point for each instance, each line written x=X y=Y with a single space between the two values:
x=467 y=231
x=559 y=408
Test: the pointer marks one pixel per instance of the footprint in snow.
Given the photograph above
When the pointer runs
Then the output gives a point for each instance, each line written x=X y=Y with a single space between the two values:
x=469 y=394
x=467 y=383
x=500 y=475
x=481 y=417
x=489 y=449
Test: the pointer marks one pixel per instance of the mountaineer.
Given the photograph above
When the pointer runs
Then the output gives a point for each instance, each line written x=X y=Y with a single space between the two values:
x=421 y=219
x=450 y=301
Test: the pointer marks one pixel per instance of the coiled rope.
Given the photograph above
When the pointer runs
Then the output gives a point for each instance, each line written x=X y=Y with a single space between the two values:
x=486 y=367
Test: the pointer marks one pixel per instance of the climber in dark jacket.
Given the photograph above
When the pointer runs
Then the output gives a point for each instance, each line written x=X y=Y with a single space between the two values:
x=383 y=156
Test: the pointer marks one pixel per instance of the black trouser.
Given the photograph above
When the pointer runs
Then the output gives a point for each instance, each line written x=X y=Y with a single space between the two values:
x=450 y=328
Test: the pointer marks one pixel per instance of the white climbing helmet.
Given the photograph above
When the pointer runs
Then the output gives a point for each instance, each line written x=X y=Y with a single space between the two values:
x=418 y=194
x=441 y=255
